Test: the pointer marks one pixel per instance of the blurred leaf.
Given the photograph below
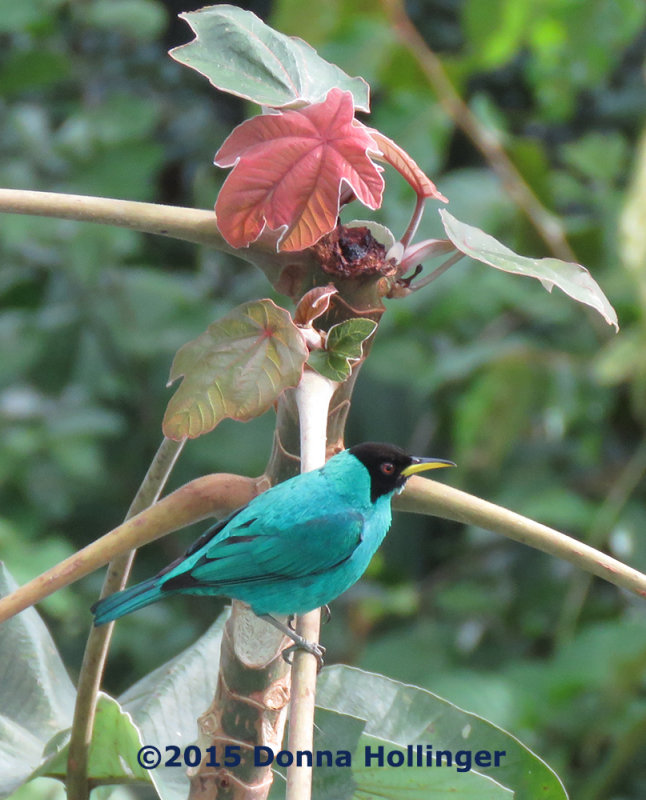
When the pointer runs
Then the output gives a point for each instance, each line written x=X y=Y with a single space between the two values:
x=238 y=53
x=598 y=156
x=344 y=345
x=237 y=368
x=493 y=412
x=622 y=358
x=492 y=46
x=400 y=714
x=573 y=279
x=139 y=19
x=16 y=17
x=36 y=695
x=31 y=70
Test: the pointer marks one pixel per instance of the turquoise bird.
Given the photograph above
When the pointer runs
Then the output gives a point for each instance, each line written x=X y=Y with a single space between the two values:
x=295 y=547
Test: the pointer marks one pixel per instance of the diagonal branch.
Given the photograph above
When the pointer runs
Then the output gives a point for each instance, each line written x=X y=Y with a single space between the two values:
x=546 y=223
x=424 y=496
x=211 y=495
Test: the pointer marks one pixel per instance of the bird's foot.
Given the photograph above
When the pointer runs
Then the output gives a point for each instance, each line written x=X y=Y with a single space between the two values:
x=314 y=648
x=326 y=614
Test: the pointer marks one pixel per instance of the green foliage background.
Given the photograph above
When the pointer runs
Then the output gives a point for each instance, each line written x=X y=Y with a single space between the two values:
x=540 y=405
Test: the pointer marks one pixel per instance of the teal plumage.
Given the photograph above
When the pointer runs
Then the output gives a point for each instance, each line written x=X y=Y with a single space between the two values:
x=293 y=548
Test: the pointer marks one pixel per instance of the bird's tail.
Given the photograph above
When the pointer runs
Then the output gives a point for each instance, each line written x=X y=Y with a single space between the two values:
x=121 y=603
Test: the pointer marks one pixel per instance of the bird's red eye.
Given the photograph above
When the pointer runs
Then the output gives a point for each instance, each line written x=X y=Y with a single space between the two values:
x=387 y=468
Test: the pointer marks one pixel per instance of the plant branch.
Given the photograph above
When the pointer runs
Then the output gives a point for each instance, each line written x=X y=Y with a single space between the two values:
x=425 y=496
x=544 y=221
x=211 y=495
x=313 y=396
x=98 y=643
x=190 y=224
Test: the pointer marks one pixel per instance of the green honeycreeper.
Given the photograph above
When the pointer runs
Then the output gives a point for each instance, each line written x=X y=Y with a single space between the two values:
x=293 y=548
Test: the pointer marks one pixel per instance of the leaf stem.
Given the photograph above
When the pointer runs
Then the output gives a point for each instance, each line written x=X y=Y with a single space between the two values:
x=98 y=643
x=313 y=396
x=424 y=496
x=432 y=276
x=413 y=225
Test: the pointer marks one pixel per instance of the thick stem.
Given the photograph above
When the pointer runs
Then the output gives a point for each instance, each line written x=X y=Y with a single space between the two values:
x=313 y=397
x=199 y=226
x=98 y=642
x=190 y=224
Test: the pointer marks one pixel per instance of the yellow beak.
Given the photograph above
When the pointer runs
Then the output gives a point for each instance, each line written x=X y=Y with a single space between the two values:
x=422 y=464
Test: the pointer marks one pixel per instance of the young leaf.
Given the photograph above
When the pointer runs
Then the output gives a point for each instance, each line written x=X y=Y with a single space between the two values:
x=343 y=347
x=398 y=158
x=237 y=368
x=314 y=304
x=288 y=172
x=573 y=279
x=239 y=54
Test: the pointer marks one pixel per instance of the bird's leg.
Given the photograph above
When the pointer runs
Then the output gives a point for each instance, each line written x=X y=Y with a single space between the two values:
x=317 y=650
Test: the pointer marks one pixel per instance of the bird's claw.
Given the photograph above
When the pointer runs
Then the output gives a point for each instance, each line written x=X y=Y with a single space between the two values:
x=315 y=649
x=326 y=614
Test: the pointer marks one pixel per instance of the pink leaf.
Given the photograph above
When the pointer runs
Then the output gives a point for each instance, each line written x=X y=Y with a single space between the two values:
x=289 y=169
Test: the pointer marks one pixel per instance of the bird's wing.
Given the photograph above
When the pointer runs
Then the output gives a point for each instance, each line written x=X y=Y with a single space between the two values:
x=252 y=549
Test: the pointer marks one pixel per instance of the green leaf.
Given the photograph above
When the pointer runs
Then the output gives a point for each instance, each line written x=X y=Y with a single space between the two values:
x=237 y=368
x=343 y=347
x=334 y=732
x=36 y=695
x=401 y=715
x=418 y=782
x=241 y=55
x=113 y=752
x=166 y=702
x=573 y=279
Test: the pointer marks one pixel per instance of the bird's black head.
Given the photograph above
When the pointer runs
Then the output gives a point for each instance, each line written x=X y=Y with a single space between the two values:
x=390 y=467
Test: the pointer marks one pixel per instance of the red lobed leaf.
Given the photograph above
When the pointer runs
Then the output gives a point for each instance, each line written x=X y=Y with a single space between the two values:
x=398 y=158
x=289 y=169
